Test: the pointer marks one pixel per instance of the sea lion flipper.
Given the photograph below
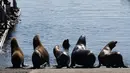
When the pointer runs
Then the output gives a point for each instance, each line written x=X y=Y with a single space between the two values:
x=58 y=66
x=48 y=63
x=68 y=66
x=99 y=65
x=23 y=65
x=72 y=62
x=125 y=66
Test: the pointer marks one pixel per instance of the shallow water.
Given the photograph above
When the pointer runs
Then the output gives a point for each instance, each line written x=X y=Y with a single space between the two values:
x=100 y=21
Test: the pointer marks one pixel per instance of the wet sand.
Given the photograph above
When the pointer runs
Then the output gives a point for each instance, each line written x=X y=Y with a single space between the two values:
x=84 y=70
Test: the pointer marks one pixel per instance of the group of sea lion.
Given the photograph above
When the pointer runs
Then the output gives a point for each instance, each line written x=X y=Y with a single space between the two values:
x=81 y=56
x=40 y=55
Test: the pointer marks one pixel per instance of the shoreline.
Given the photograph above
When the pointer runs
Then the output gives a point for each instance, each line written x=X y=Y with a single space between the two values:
x=67 y=70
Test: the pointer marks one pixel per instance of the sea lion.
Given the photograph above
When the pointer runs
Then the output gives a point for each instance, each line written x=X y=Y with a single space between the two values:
x=17 y=56
x=62 y=58
x=81 y=55
x=40 y=55
x=66 y=44
x=110 y=59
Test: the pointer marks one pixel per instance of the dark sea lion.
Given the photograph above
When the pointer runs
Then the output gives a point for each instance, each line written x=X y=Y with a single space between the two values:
x=17 y=56
x=40 y=55
x=66 y=44
x=62 y=58
x=81 y=55
x=110 y=59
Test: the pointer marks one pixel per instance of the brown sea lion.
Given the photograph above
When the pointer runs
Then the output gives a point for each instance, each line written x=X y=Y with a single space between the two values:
x=81 y=55
x=17 y=56
x=40 y=55
x=62 y=58
x=110 y=59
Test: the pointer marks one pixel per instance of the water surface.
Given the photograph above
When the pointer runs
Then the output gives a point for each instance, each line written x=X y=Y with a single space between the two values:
x=101 y=21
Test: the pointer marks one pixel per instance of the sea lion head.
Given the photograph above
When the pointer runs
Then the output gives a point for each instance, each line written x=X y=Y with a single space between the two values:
x=112 y=44
x=14 y=45
x=36 y=41
x=66 y=44
x=56 y=50
x=81 y=40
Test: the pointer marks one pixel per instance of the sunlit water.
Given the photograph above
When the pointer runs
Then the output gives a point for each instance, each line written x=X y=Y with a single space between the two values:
x=101 y=21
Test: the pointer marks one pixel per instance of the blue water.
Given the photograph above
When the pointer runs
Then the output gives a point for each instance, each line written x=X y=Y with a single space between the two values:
x=101 y=21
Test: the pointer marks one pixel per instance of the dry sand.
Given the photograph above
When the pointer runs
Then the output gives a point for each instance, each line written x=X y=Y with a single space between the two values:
x=84 y=70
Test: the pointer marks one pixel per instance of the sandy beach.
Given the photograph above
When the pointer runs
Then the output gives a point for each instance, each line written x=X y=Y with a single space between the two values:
x=84 y=70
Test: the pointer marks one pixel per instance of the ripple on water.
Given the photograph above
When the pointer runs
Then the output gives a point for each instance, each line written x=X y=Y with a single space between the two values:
x=56 y=20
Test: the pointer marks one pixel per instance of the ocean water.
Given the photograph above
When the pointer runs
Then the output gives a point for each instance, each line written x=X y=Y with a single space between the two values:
x=101 y=21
